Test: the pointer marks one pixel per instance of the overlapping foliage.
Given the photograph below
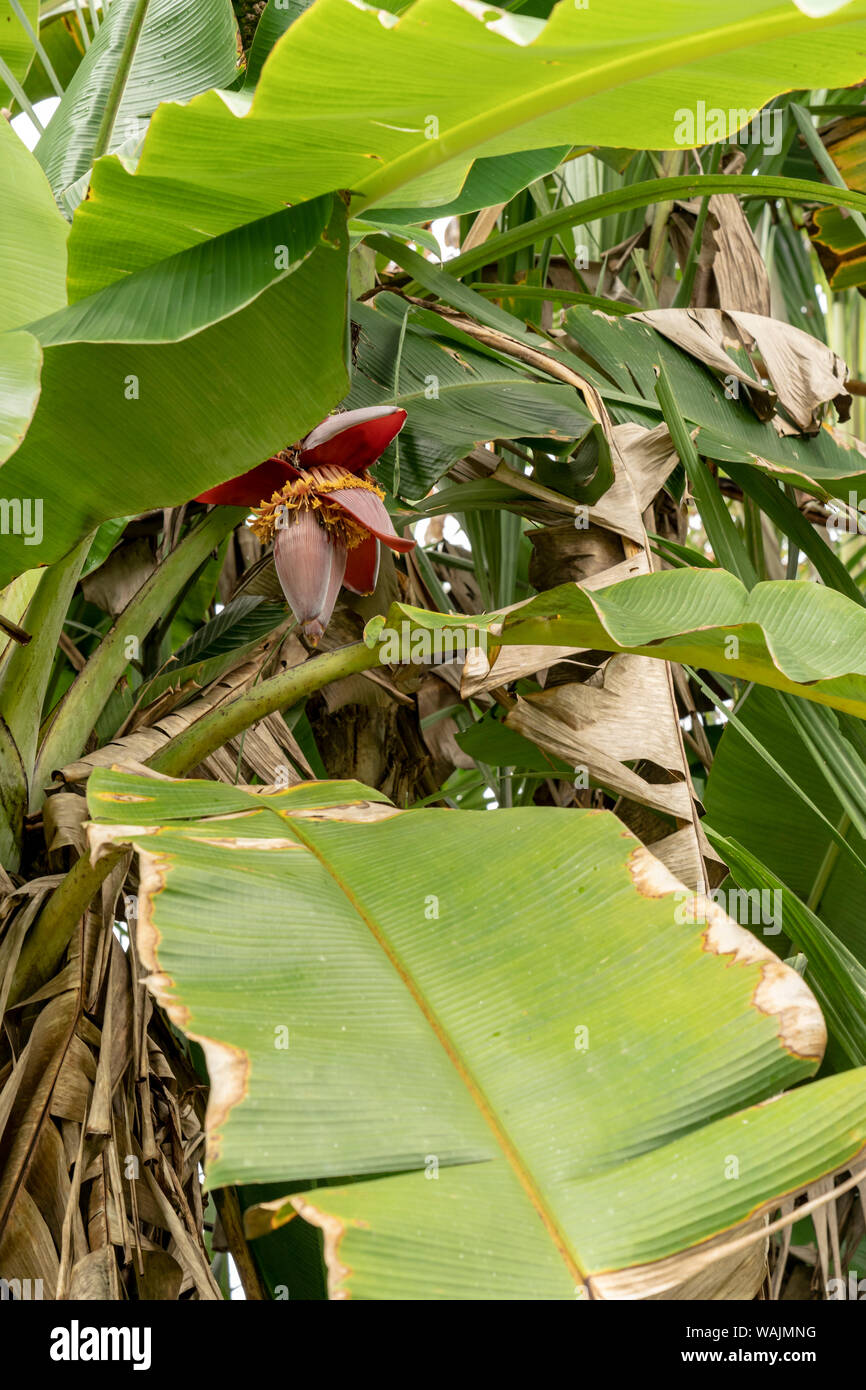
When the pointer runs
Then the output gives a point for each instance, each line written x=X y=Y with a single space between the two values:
x=439 y=938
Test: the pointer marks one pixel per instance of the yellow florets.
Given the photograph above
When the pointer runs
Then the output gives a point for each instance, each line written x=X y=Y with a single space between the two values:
x=310 y=493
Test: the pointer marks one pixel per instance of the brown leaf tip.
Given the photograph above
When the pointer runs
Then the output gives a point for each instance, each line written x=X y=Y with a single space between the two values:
x=333 y=1230
x=780 y=991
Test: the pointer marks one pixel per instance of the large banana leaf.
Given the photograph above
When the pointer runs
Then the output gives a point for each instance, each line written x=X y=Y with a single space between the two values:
x=488 y=182
x=558 y=1082
x=32 y=237
x=148 y=385
x=454 y=397
x=277 y=17
x=16 y=49
x=20 y=365
x=146 y=51
x=792 y=635
x=32 y=281
x=394 y=110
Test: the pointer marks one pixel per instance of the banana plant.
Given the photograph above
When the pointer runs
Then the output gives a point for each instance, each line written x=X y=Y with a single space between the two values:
x=431 y=685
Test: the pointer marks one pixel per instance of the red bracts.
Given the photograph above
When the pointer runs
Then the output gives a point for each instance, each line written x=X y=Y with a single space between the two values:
x=323 y=512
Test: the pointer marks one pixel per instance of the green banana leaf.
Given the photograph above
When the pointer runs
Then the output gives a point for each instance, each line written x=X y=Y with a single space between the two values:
x=16 y=48
x=145 y=52
x=553 y=1083
x=790 y=833
x=795 y=635
x=488 y=182
x=395 y=111
x=276 y=18
x=149 y=383
x=453 y=399
x=629 y=353
x=61 y=36
x=32 y=237
x=20 y=368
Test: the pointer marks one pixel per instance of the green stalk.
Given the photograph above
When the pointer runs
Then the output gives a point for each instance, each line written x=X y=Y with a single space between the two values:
x=754 y=536
x=82 y=24
x=496 y=291
x=38 y=46
x=77 y=712
x=187 y=749
x=826 y=867
x=728 y=545
x=641 y=195
x=672 y=162
x=27 y=669
x=20 y=95
x=120 y=79
x=643 y=275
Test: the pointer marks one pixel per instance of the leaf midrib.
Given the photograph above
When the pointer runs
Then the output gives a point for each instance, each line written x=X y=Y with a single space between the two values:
x=120 y=80
x=616 y=72
x=476 y=1091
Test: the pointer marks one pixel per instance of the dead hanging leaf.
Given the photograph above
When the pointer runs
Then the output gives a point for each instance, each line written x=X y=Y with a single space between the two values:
x=115 y=1046
x=508 y=664
x=160 y=1277
x=144 y=742
x=616 y=717
x=95 y=1276
x=730 y=272
x=805 y=375
x=64 y=815
x=622 y=715
x=566 y=551
x=70 y=1097
x=49 y=1185
x=739 y=276
x=64 y=1055
x=646 y=460
x=50 y=1037
x=269 y=749
x=439 y=730
x=114 y=583
x=27 y=1251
